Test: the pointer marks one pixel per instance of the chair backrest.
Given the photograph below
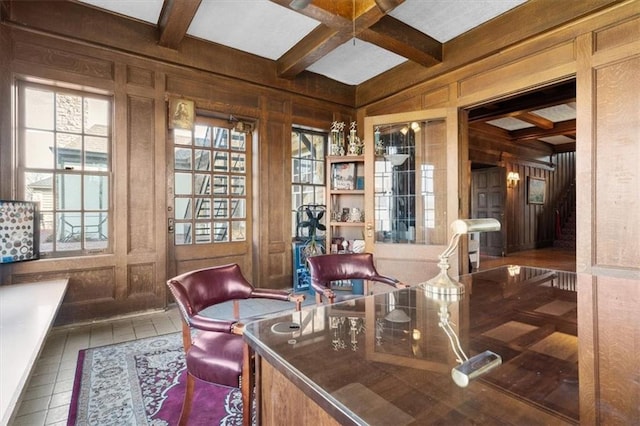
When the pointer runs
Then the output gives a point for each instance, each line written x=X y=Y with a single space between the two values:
x=333 y=267
x=199 y=289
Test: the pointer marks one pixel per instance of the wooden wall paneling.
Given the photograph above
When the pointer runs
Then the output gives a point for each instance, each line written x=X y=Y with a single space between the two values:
x=141 y=174
x=141 y=280
x=75 y=21
x=272 y=203
x=617 y=89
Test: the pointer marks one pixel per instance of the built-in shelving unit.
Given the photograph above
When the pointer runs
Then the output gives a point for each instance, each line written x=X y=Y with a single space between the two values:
x=345 y=199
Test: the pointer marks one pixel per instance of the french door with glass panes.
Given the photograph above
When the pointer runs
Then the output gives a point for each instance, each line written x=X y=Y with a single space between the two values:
x=209 y=209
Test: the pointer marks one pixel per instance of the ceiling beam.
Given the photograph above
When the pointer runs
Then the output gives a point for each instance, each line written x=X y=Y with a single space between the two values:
x=368 y=21
x=536 y=120
x=404 y=40
x=566 y=128
x=174 y=21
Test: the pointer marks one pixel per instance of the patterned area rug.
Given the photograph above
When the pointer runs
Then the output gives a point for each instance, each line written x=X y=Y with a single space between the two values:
x=142 y=383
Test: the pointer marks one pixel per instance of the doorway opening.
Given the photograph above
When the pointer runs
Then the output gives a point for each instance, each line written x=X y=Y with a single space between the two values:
x=531 y=139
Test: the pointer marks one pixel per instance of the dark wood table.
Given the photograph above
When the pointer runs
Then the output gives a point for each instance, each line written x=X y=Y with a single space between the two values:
x=386 y=358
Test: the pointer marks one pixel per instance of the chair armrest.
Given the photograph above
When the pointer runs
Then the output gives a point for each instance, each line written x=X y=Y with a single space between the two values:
x=386 y=280
x=211 y=324
x=268 y=293
x=238 y=328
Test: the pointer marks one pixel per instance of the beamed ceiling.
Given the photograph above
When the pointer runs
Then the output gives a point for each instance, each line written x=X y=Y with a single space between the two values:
x=362 y=41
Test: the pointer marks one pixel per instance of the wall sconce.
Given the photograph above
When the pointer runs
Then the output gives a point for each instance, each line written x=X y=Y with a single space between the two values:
x=512 y=179
x=443 y=284
x=415 y=126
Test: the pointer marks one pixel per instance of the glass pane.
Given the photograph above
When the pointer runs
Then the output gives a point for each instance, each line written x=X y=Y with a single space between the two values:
x=68 y=113
x=203 y=232
x=38 y=149
x=296 y=198
x=306 y=171
x=238 y=164
x=220 y=137
x=39 y=110
x=220 y=185
x=183 y=183
x=220 y=231
x=202 y=159
x=96 y=153
x=306 y=146
x=46 y=232
x=182 y=234
x=182 y=159
x=295 y=144
x=202 y=136
x=68 y=231
x=238 y=208
x=220 y=161
x=96 y=192
x=39 y=187
x=202 y=184
x=220 y=208
x=318 y=175
x=96 y=116
x=239 y=230
x=238 y=141
x=68 y=190
x=68 y=151
x=318 y=147
x=295 y=171
x=400 y=215
x=182 y=137
x=203 y=208
x=96 y=230
x=238 y=185
x=183 y=208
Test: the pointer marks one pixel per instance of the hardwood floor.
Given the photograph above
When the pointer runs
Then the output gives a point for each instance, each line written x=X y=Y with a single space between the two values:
x=552 y=258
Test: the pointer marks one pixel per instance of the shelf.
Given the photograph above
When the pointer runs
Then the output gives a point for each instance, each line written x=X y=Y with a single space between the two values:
x=347 y=191
x=345 y=158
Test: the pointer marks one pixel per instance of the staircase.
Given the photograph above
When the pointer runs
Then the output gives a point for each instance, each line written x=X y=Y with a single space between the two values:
x=566 y=238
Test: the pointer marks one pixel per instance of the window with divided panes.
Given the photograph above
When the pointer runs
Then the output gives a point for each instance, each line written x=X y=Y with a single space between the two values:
x=210 y=185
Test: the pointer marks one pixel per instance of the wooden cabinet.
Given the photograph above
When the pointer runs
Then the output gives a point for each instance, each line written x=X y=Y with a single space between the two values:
x=345 y=201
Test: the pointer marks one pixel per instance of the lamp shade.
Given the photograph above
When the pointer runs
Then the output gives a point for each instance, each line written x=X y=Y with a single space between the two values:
x=464 y=226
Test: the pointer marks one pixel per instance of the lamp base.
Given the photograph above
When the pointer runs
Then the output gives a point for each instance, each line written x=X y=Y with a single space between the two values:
x=443 y=285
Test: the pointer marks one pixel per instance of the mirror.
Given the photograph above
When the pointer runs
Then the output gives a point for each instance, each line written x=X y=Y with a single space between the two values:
x=410 y=176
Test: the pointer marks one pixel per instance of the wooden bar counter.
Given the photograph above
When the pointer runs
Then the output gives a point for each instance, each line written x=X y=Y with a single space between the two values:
x=386 y=359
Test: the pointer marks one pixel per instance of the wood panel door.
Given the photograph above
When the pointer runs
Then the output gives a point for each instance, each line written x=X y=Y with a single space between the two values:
x=488 y=194
x=411 y=201
x=209 y=187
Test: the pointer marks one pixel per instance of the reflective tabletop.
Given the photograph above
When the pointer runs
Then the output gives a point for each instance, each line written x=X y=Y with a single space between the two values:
x=505 y=352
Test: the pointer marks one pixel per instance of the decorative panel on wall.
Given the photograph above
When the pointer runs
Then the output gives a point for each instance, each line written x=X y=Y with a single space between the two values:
x=618 y=164
x=142 y=178
x=141 y=279
x=85 y=285
x=65 y=61
x=140 y=77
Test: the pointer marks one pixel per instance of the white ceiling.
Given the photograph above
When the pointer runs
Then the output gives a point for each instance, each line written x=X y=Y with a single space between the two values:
x=267 y=29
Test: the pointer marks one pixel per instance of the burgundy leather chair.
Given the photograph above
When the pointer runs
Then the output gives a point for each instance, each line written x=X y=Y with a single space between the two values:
x=348 y=266
x=217 y=352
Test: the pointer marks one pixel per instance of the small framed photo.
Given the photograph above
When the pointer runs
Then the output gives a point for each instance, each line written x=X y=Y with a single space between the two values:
x=343 y=176
x=535 y=190
x=181 y=113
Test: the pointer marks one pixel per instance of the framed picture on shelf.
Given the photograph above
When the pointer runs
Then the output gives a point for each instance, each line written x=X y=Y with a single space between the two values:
x=535 y=190
x=343 y=176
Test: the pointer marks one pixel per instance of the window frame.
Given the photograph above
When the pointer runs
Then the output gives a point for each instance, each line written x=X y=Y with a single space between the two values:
x=56 y=171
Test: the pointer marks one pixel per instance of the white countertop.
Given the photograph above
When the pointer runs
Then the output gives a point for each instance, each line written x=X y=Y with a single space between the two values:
x=27 y=312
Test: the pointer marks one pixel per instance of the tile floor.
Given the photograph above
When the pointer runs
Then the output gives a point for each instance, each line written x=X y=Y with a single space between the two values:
x=46 y=399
